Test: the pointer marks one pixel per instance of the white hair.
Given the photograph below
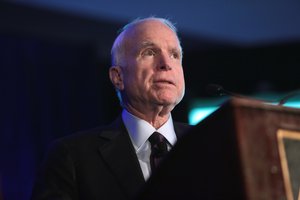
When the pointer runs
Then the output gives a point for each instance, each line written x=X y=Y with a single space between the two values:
x=118 y=50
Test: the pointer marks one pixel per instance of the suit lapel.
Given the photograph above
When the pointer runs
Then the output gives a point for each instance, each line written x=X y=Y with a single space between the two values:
x=119 y=154
x=120 y=157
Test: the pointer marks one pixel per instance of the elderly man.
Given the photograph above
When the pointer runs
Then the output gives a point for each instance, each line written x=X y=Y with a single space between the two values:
x=113 y=162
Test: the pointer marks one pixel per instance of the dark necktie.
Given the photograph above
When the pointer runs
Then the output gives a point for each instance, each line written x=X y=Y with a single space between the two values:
x=159 y=149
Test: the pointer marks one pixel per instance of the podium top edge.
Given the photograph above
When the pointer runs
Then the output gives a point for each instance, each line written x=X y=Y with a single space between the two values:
x=259 y=104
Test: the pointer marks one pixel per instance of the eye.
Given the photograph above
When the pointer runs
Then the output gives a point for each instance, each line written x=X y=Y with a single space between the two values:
x=148 y=52
x=175 y=55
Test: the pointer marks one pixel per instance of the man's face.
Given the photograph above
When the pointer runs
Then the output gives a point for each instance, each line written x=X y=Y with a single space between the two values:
x=153 y=73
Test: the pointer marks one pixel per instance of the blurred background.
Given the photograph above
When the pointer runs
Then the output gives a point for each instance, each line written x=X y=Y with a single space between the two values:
x=54 y=59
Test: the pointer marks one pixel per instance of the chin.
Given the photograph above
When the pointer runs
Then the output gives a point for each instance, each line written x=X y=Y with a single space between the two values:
x=167 y=98
x=167 y=102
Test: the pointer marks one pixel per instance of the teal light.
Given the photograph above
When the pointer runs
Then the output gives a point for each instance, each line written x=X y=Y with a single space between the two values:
x=204 y=107
x=294 y=104
x=198 y=114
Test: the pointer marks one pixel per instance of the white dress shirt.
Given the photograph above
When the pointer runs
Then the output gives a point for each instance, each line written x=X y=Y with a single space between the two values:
x=139 y=131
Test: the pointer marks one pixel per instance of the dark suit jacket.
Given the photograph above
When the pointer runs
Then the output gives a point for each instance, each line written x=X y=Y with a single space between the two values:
x=93 y=165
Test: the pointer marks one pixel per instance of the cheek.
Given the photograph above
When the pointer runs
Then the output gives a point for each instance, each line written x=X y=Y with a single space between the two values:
x=181 y=79
x=145 y=76
x=139 y=81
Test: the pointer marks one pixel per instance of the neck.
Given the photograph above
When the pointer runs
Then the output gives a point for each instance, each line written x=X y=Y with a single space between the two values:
x=156 y=116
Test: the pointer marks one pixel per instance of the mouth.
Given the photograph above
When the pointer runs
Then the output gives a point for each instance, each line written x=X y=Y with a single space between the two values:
x=163 y=81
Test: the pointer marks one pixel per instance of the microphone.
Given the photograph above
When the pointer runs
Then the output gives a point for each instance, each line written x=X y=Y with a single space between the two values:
x=218 y=90
x=288 y=96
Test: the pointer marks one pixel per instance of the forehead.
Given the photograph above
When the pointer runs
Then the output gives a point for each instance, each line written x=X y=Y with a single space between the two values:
x=152 y=31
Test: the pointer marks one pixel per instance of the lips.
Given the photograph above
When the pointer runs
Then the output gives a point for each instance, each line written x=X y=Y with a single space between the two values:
x=164 y=81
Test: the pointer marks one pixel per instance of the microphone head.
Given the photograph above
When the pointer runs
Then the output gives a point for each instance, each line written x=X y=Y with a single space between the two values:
x=215 y=90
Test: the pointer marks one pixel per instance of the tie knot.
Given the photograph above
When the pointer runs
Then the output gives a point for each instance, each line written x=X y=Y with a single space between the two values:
x=158 y=144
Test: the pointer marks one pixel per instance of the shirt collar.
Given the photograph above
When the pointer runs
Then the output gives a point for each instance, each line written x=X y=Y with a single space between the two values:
x=140 y=130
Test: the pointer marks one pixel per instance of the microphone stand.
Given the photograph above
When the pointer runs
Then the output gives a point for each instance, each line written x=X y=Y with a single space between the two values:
x=288 y=96
x=218 y=90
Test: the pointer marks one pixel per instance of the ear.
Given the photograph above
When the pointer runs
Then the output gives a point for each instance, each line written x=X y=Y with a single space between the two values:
x=116 y=77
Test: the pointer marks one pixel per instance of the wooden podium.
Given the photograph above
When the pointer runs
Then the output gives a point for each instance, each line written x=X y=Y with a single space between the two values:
x=244 y=150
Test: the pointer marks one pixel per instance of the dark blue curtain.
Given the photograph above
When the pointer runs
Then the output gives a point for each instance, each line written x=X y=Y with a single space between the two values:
x=48 y=89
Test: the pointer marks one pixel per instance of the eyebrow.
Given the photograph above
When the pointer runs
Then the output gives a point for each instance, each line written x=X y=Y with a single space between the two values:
x=147 y=44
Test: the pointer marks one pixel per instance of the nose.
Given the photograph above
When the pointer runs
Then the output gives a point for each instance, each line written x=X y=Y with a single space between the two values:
x=164 y=62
